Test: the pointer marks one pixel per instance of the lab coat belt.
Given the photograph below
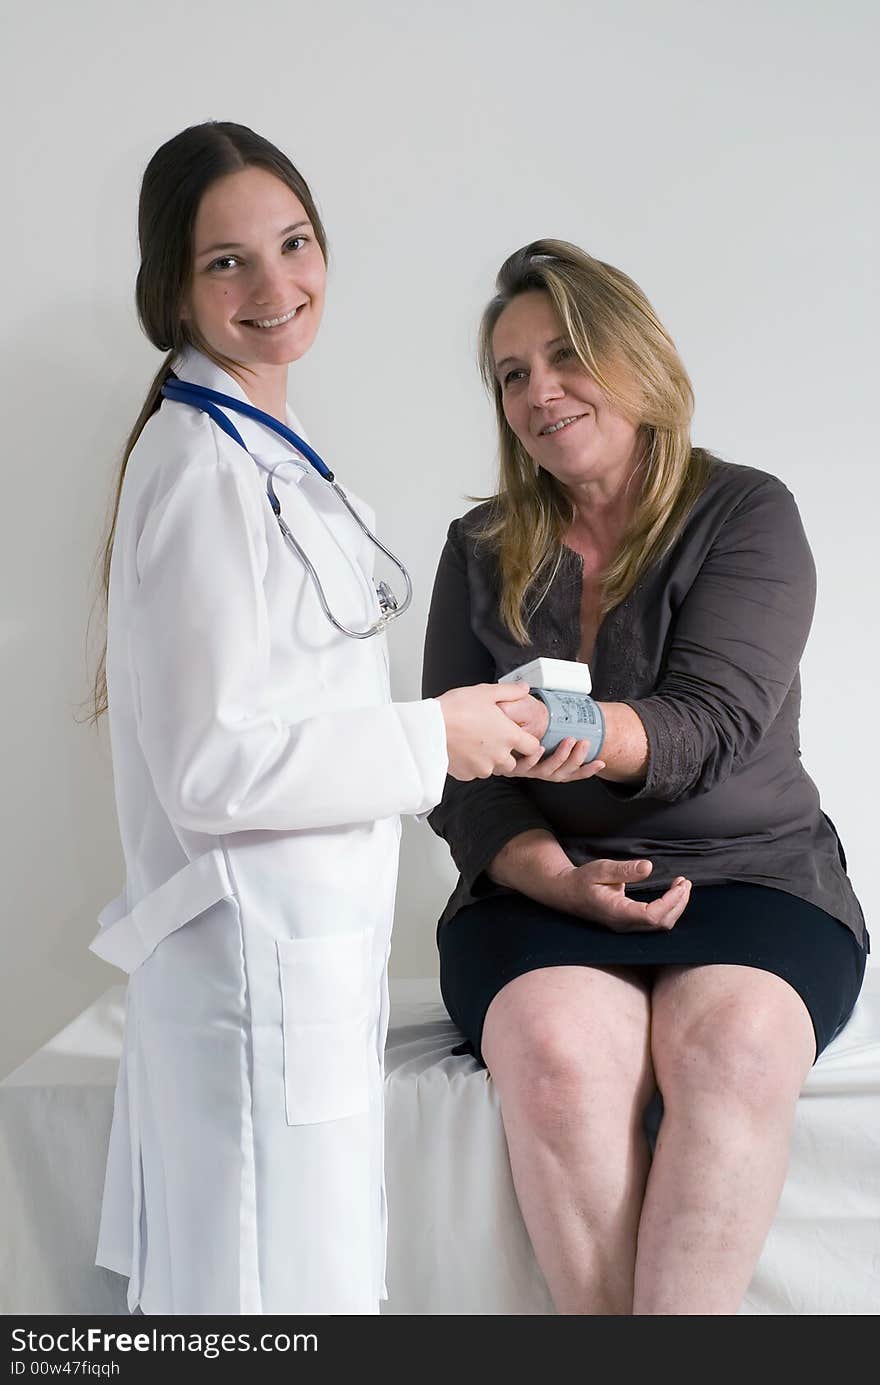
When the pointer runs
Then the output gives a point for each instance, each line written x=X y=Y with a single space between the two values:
x=126 y=940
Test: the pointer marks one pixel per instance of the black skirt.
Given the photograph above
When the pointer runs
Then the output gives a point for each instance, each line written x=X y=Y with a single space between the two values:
x=490 y=942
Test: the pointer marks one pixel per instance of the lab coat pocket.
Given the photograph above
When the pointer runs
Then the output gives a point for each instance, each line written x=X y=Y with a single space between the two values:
x=324 y=993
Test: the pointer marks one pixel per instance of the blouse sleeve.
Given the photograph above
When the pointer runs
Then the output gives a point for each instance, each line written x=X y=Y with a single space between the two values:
x=220 y=758
x=736 y=642
x=478 y=818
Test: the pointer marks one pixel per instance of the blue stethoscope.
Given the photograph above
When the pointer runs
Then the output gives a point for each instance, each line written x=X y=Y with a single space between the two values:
x=183 y=392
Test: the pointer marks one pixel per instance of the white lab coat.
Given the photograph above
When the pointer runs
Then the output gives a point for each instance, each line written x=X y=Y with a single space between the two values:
x=259 y=770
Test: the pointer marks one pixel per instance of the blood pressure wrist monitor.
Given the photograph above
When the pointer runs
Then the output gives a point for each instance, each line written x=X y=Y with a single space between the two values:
x=572 y=714
x=563 y=685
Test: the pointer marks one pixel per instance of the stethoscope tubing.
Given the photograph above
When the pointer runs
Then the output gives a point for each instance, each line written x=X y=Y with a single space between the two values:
x=189 y=393
x=212 y=402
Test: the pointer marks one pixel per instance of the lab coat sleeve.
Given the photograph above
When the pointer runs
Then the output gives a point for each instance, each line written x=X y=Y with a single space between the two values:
x=220 y=758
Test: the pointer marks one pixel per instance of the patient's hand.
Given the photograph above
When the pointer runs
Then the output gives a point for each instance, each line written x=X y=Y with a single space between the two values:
x=597 y=891
x=564 y=765
x=528 y=713
x=535 y=864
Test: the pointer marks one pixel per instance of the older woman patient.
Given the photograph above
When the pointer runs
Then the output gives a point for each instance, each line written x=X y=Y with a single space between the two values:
x=673 y=913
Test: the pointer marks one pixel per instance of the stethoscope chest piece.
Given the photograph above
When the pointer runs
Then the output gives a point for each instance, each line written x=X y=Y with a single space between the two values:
x=388 y=603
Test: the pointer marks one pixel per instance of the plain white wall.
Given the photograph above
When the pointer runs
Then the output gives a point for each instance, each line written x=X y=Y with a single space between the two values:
x=724 y=155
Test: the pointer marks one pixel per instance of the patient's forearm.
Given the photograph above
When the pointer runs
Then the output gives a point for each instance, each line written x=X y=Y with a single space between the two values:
x=625 y=747
x=532 y=864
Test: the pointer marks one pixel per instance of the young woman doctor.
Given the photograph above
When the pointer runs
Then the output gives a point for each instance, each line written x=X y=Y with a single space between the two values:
x=260 y=768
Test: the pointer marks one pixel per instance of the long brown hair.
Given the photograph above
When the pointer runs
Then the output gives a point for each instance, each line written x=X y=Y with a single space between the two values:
x=175 y=180
x=619 y=339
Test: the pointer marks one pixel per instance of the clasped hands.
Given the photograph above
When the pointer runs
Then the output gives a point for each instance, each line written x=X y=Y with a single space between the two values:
x=564 y=765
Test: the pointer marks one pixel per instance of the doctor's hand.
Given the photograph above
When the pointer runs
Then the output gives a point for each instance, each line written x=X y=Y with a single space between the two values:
x=480 y=739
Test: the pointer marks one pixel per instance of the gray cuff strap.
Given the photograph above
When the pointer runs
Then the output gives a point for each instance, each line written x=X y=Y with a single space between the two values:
x=572 y=714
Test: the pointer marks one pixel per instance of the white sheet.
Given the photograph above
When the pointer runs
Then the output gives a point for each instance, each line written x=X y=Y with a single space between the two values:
x=457 y=1244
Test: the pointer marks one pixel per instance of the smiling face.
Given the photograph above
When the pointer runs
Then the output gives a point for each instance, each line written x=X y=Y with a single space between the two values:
x=563 y=418
x=257 y=289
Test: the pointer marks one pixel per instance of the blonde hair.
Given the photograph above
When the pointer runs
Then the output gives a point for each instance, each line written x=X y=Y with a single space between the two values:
x=618 y=338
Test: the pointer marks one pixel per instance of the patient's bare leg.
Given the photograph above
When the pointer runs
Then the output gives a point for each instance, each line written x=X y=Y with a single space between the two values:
x=568 y=1048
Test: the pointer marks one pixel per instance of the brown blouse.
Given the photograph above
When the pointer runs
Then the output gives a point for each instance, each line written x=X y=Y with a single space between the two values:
x=706 y=650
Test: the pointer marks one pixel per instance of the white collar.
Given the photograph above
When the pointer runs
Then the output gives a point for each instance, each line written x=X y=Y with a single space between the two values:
x=268 y=448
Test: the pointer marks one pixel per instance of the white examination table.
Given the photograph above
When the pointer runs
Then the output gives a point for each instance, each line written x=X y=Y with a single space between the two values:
x=457 y=1244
